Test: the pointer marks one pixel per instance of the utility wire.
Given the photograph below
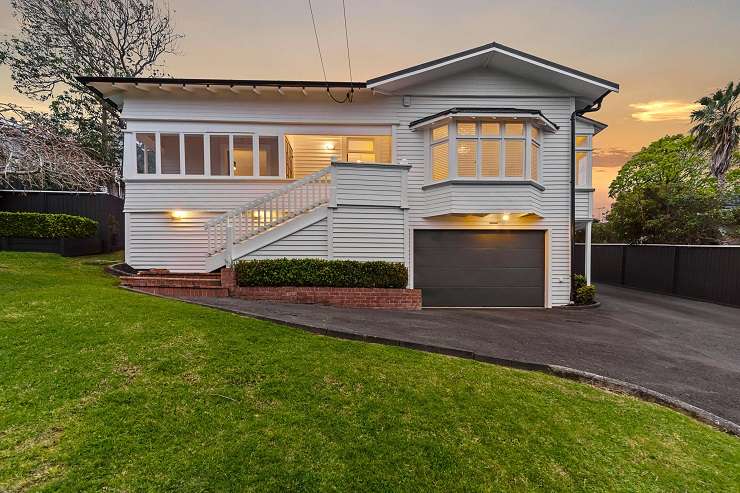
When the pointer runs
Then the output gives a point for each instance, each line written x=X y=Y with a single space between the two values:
x=346 y=38
x=348 y=96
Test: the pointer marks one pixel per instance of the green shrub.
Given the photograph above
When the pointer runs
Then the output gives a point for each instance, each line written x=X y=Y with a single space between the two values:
x=578 y=282
x=319 y=272
x=37 y=225
x=586 y=295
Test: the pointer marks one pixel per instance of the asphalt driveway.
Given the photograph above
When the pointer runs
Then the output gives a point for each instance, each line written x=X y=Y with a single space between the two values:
x=686 y=349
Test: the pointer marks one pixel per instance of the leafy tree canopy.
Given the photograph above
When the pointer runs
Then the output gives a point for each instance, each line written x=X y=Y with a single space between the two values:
x=666 y=194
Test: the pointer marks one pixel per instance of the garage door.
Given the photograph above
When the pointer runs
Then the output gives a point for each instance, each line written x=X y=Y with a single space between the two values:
x=480 y=268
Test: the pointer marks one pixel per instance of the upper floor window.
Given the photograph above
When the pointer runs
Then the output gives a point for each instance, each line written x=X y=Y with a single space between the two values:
x=207 y=154
x=584 y=158
x=471 y=149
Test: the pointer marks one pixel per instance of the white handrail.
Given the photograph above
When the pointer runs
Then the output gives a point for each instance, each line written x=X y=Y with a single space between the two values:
x=268 y=211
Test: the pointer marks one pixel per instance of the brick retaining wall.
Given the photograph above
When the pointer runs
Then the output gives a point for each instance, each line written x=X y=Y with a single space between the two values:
x=399 y=299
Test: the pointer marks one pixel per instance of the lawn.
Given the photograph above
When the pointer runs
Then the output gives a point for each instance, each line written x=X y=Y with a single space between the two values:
x=104 y=389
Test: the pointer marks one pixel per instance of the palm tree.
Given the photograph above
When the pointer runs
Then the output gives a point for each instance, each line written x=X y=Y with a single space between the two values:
x=717 y=128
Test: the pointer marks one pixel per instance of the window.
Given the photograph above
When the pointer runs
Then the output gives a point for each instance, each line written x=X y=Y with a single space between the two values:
x=486 y=150
x=440 y=153
x=170 y=153
x=243 y=161
x=269 y=159
x=534 y=152
x=194 y=154
x=360 y=150
x=583 y=160
x=146 y=153
x=219 y=154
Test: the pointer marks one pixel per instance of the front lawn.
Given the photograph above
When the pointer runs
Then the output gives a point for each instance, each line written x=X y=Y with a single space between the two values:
x=103 y=389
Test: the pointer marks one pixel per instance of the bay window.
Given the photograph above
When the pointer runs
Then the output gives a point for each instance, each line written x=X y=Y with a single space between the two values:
x=475 y=149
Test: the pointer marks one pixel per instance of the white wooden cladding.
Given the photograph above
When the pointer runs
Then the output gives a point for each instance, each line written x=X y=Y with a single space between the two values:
x=341 y=184
x=461 y=198
x=277 y=207
x=584 y=204
x=152 y=245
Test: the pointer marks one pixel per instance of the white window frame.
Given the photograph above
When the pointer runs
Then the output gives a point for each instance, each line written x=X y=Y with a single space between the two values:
x=207 y=154
x=588 y=149
x=432 y=143
x=478 y=138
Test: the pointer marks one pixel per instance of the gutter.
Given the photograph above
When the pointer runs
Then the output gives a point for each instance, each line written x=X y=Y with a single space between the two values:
x=595 y=106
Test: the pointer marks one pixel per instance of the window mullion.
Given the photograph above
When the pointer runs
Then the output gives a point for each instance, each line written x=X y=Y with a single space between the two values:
x=527 y=152
x=452 y=150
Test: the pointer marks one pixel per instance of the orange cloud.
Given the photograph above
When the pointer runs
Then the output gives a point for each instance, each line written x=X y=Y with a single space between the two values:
x=663 y=111
x=612 y=157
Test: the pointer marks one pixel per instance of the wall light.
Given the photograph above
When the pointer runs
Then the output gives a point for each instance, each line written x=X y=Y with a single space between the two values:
x=329 y=146
x=505 y=217
x=180 y=214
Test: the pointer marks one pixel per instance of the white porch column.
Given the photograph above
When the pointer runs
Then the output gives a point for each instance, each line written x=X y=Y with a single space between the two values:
x=587 y=253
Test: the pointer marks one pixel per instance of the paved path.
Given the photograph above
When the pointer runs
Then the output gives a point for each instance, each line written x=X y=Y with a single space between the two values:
x=686 y=349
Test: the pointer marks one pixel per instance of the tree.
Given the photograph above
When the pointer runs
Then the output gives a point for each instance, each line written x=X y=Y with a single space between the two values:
x=35 y=156
x=666 y=194
x=717 y=128
x=62 y=39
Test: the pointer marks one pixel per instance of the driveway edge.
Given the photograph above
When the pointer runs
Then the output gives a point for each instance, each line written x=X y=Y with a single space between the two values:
x=593 y=379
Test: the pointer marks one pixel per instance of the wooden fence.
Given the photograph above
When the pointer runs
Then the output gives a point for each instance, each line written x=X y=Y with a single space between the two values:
x=106 y=209
x=708 y=273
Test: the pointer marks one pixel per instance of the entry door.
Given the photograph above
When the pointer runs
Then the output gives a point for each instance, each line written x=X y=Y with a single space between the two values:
x=480 y=268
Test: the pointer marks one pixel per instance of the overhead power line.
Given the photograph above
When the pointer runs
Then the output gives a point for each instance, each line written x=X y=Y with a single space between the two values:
x=350 y=93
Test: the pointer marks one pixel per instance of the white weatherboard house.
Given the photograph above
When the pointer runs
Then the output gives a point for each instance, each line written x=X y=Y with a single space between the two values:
x=473 y=170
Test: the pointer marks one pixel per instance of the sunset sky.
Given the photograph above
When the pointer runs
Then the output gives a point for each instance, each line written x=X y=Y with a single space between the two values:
x=665 y=54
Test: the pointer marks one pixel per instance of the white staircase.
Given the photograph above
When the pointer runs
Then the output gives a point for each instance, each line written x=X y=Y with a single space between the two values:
x=239 y=226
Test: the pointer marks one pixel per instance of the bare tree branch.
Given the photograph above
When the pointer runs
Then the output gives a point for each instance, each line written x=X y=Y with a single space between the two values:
x=34 y=156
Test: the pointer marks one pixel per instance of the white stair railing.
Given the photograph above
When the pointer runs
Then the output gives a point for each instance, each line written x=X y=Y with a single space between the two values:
x=268 y=211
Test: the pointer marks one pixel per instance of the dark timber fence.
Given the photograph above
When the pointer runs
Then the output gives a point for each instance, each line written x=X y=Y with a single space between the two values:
x=106 y=209
x=708 y=273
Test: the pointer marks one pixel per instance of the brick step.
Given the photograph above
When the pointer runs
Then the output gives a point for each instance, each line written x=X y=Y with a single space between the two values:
x=171 y=282
x=189 y=275
x=210 y=291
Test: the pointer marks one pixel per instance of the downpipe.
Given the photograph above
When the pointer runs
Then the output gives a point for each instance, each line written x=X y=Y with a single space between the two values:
x=595 y=106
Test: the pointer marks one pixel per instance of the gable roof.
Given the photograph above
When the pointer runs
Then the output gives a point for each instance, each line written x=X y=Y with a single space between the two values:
x=585 y=87
x=503 y=57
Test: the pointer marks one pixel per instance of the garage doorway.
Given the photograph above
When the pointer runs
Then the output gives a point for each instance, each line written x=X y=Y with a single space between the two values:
x=480 y=268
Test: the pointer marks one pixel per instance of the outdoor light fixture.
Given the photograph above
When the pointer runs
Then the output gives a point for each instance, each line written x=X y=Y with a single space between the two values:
x=180 y=214
x=505 y=217
x=329 y=146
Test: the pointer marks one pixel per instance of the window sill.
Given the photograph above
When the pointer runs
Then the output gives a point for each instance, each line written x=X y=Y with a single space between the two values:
x=584 y=189
x=206 y=178
x=494 y=183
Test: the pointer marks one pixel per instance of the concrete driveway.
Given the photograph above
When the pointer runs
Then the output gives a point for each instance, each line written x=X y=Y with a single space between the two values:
x=686 y=349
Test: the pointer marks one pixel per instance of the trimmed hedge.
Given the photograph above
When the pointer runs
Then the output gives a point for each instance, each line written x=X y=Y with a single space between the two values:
x=37 y=225
x=309 y=272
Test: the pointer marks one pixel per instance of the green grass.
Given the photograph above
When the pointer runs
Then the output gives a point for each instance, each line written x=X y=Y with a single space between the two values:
x=104 y=389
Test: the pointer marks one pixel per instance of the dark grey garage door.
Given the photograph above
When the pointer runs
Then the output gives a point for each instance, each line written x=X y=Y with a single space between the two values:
x=480 y=268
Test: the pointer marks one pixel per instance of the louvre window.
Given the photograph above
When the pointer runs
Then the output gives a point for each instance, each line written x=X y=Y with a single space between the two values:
x=486 y=150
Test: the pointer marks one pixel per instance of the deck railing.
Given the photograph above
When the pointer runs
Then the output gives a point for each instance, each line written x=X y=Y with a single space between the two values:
x=268 y=211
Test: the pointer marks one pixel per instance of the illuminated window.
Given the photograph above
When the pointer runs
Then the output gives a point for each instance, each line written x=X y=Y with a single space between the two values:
x=440 y=161
x=486 y=149
x=360 y=150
